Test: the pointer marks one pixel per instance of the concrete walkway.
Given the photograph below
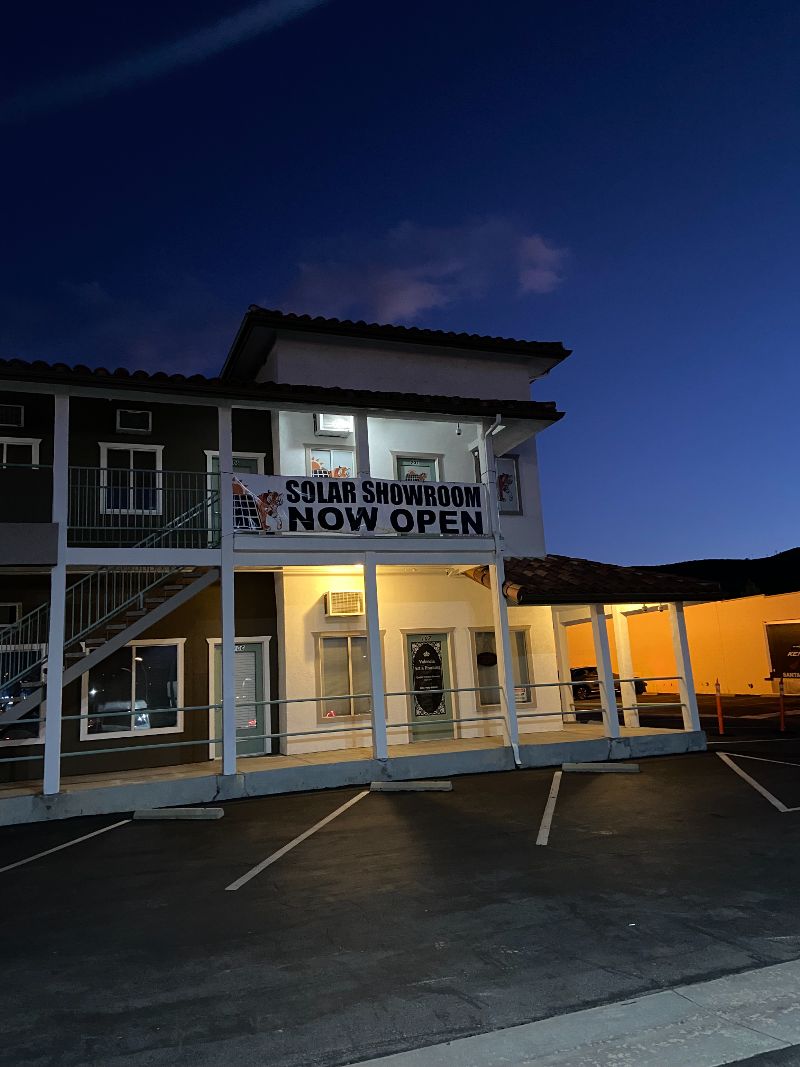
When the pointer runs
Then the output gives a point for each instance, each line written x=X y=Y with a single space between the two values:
x=727 y=1020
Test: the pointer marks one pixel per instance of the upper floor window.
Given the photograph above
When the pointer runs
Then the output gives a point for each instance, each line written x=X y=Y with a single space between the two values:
x=330 y=462
x=418 y=468
x=12 y=415
x=19 y=451
x=130 y=479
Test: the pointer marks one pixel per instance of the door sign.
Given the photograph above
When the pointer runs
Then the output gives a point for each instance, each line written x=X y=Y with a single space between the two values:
x=427 y=677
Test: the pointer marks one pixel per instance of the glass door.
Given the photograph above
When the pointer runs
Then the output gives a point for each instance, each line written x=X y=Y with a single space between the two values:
x=428 y=667
x=251 y=716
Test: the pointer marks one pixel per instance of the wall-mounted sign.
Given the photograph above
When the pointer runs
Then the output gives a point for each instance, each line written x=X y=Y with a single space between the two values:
x=266 y=503
x=508 y=499
x=783 y=639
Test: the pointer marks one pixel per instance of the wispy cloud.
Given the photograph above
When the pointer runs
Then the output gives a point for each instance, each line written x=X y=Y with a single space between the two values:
x=156 y=62
x=413 y=269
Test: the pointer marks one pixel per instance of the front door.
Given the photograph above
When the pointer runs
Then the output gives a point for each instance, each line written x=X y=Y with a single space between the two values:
x=430 y=708
x=251 y=716
x=241 y=465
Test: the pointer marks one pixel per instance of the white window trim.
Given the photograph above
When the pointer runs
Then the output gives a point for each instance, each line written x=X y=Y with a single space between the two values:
x=319 y=637
x=34 y=443
x=405 y=453
x=15 y=425
x=134 y=411
x=120 y=446
x=212 y=644
x=526 y=630
x=317 y=447
x=150 y=731
x=11 y=604
x=42 y=710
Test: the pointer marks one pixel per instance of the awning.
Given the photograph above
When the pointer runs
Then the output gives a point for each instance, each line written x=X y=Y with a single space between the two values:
x=568 y=580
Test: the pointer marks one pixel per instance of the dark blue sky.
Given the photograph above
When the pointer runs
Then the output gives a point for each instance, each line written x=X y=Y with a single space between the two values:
x=624 y=177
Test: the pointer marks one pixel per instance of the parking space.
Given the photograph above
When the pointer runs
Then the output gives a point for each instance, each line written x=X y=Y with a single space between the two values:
x=407 y=920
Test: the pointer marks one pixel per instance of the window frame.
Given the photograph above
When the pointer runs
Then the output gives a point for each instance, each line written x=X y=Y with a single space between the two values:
x=398 y=457
x=11 y=604
x=122 y=446
x=157 y=731
x=329 y=448
x=526 y=632
x=15 y=425
x=134 y=411
x=319 y=638
x=34 y=443
x=42 y=708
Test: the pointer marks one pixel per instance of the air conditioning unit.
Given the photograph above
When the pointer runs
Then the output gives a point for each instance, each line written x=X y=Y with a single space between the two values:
x=327 y=425
x=344 y=602
x=134 y=421
x=12 y=415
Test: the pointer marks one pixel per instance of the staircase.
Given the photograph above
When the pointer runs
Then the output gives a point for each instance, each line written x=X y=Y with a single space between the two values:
x=104 y=611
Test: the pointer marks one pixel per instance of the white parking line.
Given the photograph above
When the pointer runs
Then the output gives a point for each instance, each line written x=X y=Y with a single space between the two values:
x=292 y=844
x=751 y=781
x=549 y=808
x=67 y=844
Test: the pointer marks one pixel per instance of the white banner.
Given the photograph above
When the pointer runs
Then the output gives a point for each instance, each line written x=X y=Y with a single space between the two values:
x=267 y=503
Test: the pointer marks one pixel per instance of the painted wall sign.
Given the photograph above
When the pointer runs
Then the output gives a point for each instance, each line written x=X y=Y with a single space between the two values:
x=783 y=639
x=265 y=503
x=427 y=677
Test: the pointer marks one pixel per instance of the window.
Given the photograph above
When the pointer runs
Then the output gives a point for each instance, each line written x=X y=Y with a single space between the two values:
x=29 y=729
x=330 y=462
x=129 y=421
x=344 y=673
x=486 y=668
x=135 y=690
x=417 y=468
x=19 y=451
x=9 y=613
x=12 y=415
x=130 y=479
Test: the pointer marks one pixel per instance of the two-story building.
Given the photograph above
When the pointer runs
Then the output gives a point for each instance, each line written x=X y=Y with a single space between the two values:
x=325 y=566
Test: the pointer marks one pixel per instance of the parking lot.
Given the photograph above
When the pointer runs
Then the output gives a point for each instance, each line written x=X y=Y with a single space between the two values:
x=406 y=920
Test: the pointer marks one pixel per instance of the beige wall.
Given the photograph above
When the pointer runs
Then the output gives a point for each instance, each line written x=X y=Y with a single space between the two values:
x=727 y=640
x=428 y=601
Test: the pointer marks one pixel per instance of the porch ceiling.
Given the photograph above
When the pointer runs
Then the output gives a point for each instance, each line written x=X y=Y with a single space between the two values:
x=556 y=579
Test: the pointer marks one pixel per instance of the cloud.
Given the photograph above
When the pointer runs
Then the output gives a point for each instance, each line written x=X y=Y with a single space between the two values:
x=414 y=269
x=156 y=62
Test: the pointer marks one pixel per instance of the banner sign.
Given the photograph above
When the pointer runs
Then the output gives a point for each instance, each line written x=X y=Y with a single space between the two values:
x=267 y=503
x=783 y=639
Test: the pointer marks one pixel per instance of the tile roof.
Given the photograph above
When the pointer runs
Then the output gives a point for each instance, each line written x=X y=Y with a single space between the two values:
x=179 y=385
x=556 y=579
x=256 y=315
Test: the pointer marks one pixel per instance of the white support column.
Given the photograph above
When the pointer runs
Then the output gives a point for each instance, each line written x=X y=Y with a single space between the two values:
x=375 y=648
x=683 y=663
x=562 y=668
x=622 y=639
x=502 y=644
x=362 y=446
x=605 y=675
x=497 y=577
x=227 y=598
x=51 y=778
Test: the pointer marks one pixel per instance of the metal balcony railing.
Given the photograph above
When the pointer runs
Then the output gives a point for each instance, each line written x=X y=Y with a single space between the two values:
x=131 y=507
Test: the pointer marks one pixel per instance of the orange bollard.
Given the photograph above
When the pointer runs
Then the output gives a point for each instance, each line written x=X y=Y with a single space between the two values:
x=720 y=720
x=781 y=705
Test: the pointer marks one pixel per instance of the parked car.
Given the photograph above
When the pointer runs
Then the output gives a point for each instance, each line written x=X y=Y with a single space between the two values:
x=589 y=688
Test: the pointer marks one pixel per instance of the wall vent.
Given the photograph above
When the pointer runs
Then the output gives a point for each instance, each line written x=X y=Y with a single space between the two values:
x=12 y=415
x=134 y=421
x=344 y=602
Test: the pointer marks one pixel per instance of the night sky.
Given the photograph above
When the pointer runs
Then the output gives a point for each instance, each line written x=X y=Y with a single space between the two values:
x=624 y=177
